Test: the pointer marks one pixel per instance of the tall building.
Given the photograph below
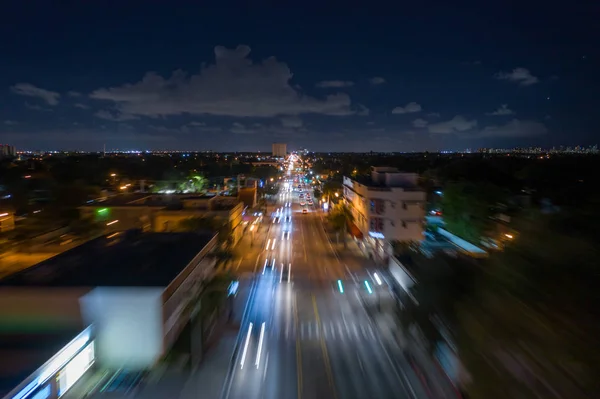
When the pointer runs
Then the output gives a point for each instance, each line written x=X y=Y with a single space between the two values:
x=7 y=151
x=387 y=206
x=279 y=150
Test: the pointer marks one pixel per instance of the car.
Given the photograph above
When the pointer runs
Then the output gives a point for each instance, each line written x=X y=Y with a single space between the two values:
x=288 y=219
x=310 y=202
x=304 y=210
x=302 y=203
x=286 y=235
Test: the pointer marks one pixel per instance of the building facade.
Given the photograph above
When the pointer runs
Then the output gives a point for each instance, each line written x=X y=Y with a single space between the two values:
x=388 y=206
x=279 y=150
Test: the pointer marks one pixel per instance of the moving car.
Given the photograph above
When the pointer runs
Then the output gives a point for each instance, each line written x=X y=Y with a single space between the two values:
x=304 y=210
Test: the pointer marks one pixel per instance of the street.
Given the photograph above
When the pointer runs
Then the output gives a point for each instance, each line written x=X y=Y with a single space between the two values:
x=305 y=331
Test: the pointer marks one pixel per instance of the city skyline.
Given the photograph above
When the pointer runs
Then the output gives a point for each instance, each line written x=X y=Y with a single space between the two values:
x=421 y=78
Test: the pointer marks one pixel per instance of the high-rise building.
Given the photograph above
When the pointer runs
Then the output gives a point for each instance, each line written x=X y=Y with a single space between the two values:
x=279 y=150
x=7 y=151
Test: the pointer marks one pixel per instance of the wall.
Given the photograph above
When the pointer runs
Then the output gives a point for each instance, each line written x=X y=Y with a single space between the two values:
x=128 y=324
x=45 y=309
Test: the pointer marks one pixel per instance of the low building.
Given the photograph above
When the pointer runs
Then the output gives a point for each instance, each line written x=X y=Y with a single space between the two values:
x=387 y=206
x=134 y=288
x=162 y=212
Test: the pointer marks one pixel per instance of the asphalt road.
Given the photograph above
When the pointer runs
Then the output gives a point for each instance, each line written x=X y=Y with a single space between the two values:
x=305 y=332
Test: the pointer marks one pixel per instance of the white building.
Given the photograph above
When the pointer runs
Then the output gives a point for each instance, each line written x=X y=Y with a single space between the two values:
x=279 y=150
x=387 y=206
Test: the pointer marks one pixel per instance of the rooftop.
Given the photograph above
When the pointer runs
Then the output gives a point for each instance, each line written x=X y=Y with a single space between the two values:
x=120 y=259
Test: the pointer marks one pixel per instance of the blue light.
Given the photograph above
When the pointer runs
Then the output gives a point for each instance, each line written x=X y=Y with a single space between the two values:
x=340 y=286
x=368 y=287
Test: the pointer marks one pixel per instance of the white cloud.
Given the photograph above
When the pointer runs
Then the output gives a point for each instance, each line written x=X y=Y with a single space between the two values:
x=334 y=83
x=456 y=124
x=291 y=122
x=518 y=75
x=29 y=90
x=82 y=106
x=420 y=122
x=362 y=110
x=74 y=93
x=503 y=110
x=515 y=128
x=377 y=80
x=233 y=86
x=408 y=109
x=115 y=116
x=10 y=123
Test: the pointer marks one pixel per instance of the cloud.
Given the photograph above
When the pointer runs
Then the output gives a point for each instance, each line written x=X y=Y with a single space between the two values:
x=37 y=107
x=240 y=128
x=334 y=83
x=514 y=128
x=194 y=123
x=434 y=115
x=377 y=80
x=456 y=124
x=115 y=116
x=408 y=109
x=362 y=110
x=29 y=90
x=82 y=106
x=10 y=123
x=420 y=122
x=503 y=110
x=233 y=86
x=74 y=93
x=518 y=75
x=291 y=122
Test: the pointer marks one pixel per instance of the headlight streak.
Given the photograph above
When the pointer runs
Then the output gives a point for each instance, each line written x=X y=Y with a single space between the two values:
x=246 y=346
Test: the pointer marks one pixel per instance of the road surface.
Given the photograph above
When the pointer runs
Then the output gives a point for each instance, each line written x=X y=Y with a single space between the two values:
x=305 y=332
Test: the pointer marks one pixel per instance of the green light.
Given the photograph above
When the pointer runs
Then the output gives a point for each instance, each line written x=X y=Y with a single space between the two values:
x=102 y=210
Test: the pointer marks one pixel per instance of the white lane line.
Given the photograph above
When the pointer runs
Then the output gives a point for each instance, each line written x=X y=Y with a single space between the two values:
x=246 y=346
x=260 y=343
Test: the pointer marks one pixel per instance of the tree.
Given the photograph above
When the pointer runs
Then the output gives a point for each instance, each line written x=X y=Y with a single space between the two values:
x=195 y=184
x=339 y=218
x=531 y=329
x=467 y=208
x=317 y=193
x=198 y=224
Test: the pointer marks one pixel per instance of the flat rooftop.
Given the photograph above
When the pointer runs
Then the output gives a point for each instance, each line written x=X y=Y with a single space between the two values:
x=126 y=259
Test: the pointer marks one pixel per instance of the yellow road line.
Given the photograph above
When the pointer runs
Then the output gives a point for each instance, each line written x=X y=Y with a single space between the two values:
x=298 y=351
x=324 y=349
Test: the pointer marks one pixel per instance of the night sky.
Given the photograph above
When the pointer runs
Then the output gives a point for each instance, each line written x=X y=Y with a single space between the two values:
x=410 y=77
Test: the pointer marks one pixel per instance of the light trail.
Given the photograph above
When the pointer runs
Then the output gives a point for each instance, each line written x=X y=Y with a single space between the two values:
x=246 y=346
x=260 y=344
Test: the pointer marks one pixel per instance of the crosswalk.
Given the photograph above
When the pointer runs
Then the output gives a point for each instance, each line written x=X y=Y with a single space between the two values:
x=329 y=330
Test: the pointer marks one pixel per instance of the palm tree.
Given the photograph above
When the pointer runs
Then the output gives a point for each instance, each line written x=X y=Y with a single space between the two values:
x=339 y=218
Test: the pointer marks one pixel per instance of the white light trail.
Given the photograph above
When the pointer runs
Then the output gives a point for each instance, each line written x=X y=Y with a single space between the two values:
x=377 y=279
x=260 y=343
x=289 y=272
x=274 y=241
x=265 y=266
x=246 y=346
x=268 y=243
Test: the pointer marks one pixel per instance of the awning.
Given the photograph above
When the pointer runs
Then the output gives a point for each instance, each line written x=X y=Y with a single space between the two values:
x=355 y=231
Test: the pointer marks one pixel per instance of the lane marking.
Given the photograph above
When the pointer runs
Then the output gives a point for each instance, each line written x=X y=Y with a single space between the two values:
x=324 y=350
